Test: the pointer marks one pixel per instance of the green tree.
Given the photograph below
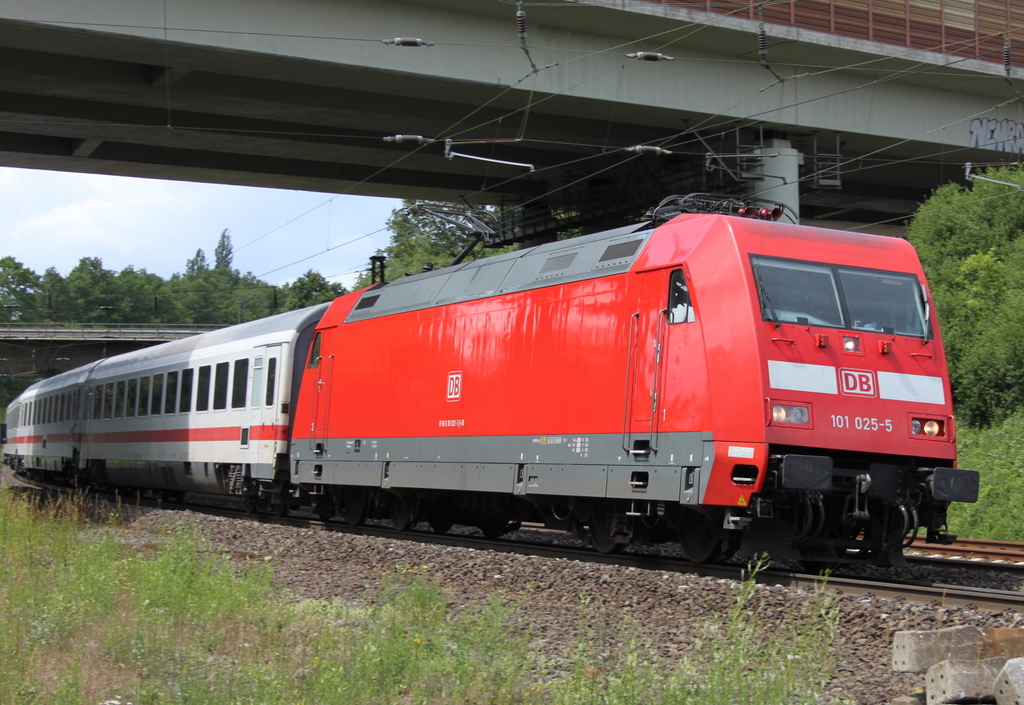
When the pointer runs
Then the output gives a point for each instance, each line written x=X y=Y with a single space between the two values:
x=223 y=255
x=420 y=241
x=969 y=241
x=20 y=289
x=310 y=289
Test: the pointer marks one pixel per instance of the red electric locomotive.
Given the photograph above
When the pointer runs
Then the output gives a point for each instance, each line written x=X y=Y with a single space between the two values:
x=727 y=382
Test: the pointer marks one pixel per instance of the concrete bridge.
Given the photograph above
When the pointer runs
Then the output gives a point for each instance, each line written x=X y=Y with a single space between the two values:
x=851 y=112
x=33 y=350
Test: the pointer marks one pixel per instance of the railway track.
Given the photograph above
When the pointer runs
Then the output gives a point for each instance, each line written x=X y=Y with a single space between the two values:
x=1001 y=553
x=946 y=595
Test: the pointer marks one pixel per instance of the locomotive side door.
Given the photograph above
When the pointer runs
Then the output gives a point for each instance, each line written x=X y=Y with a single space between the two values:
x=321 y=369
x=646 y=332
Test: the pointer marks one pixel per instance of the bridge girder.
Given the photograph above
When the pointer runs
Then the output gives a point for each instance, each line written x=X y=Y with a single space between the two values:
x=299 y=95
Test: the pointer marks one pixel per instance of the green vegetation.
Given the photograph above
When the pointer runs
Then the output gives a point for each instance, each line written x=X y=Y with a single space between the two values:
x=420 y=241
x=969 y=240
x=86 y=619
x=998 y=454
x=202 y=294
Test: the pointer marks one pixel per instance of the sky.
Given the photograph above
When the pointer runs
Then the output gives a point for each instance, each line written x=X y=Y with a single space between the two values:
x=53 y=219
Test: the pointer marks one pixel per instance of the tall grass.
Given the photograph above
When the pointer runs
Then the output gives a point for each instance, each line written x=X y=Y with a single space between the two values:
x=87 y=619
x=997 y=454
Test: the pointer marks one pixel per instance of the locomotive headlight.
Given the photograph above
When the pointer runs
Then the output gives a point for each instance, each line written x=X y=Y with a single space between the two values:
x=787 y=413
x=927 y=427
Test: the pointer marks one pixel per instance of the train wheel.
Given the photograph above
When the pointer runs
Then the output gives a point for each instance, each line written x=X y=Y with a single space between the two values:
x=249 y=504
x=439 y=518
x=357 y=507
x=602 y=532
x=324 y=510
x=279 y=510
x=700 y=536
x=403 y=513
x=493 y=528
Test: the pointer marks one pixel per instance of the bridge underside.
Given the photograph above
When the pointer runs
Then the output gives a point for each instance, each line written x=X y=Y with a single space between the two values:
x=140 y=100
x=36 y=359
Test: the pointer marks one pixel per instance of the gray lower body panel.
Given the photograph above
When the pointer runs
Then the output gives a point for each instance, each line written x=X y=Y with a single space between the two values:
x=570 y=465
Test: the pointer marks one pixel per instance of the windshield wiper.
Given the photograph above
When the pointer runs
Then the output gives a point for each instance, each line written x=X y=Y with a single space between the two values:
x=764 y=294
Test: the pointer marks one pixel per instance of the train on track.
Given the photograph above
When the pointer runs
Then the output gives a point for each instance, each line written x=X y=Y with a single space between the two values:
x=716 y=379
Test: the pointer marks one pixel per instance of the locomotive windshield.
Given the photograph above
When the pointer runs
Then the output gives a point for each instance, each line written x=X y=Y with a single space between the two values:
x=837 y=296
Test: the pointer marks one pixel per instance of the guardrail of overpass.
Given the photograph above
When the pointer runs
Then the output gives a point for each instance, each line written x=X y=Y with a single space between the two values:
x=102 y=331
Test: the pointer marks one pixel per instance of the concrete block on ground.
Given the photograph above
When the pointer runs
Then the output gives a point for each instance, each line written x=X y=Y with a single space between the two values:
x=917 y=651
x=916 y=699
x=1007 y=642
x=963 y=681
x=1009 y=685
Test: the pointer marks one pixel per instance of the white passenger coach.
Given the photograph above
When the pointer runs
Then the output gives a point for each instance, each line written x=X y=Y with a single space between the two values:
x=210 y=413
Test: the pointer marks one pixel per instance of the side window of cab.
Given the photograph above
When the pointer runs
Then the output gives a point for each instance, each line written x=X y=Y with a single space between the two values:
x=680 y=307
x=314 y=352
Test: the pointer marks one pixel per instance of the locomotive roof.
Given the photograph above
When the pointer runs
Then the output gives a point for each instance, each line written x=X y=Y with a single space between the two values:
x=586 y=257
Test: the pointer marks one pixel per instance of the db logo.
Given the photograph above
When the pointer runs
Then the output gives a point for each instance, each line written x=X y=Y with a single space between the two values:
x=857 y=382
x=454 y=386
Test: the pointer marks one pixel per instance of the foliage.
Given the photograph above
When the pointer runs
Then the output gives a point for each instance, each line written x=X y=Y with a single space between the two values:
x=744 y=656
x=310 y=289
x=85 y=618
x=997 y=454
x=420 y=241
x=970 y=245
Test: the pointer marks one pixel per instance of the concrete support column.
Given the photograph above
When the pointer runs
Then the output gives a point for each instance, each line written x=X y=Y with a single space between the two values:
x=780 y=165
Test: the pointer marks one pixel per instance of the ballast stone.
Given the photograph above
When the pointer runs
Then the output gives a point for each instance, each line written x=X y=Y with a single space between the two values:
x=917 y=651
x=959 y=681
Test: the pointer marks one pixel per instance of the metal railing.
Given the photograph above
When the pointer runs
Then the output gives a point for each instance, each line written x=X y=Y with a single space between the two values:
x=103 y=331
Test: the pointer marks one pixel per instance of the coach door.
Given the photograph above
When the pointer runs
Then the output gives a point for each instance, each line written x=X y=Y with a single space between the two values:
x=646 y=334
x=267 y=380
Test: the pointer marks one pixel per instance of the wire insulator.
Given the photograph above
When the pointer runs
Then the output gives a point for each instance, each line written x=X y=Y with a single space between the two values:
x=650 y=56
x=762 y=44
x=648 y=149
x=407 y=42
x=1007 y=58
x=521 y=23
x=415 y=139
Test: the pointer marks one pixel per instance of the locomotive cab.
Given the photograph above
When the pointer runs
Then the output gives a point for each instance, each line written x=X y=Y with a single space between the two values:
x=846 y=448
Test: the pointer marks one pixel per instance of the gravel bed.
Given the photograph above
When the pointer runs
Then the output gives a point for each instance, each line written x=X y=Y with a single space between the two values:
x=316 y=564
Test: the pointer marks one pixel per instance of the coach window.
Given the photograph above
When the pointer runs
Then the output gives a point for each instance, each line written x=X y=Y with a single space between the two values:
x=131 y=403
x=680 y=307
x=171 y=393
x=203 y=389
x=271 y=380
x=257 y=380
x=144 y=396
x=238 y=383
x=62 y=413
x=314 y=353
x=97 y=402
x=185 y=404
x=108 y=400
x=220 y=386
x=74 y=405
x=119 y=400
x=158 y=395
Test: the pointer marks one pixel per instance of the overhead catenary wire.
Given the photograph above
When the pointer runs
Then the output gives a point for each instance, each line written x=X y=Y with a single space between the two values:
x=530 y=103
